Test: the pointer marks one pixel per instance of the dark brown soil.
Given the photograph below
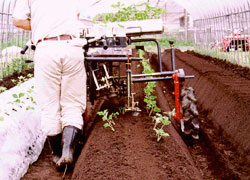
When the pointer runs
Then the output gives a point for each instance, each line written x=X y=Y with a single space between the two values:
x=7 y=81
x=224 y=156
x=223 y=93
x=132 y=152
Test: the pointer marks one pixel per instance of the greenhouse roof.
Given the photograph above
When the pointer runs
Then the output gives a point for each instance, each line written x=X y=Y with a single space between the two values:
x=197 y=8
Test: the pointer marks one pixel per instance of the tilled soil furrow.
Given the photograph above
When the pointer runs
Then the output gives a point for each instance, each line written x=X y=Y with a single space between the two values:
x=216 y=158
x=228 y=107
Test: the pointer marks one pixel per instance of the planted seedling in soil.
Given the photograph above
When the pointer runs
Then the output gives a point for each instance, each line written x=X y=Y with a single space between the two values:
x=108 y=119
x=160 y=122
x=2 y=89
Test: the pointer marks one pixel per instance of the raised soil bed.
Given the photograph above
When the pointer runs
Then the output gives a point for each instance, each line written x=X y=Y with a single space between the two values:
x=132 y=152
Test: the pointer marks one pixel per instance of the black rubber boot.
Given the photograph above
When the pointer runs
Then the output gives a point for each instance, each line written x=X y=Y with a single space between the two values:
x=55 y=143
x=70 y=139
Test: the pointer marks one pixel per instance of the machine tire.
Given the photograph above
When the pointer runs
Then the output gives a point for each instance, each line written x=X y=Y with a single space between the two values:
x=190 y=126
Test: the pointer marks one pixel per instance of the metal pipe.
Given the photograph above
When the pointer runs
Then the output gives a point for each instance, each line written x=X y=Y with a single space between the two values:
x=128 y=72
x=154 y=74
x=158 y=47
x=159 y=78
x=151 y=79
x=114 y=59
x=172 y=56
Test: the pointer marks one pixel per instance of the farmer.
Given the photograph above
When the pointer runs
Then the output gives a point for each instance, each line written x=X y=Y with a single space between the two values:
x=60 y=77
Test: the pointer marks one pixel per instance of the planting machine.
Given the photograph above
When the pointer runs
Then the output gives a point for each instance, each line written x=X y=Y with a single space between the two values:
x=108 y=49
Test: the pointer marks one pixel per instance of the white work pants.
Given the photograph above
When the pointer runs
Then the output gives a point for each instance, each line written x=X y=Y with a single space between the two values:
x=61 y=85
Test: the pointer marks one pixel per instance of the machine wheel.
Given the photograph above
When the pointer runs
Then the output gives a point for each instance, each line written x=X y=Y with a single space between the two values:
x=190 y=125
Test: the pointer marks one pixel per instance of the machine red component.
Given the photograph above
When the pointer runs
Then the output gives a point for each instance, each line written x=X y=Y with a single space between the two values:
x=235 y=41
x=178 y=114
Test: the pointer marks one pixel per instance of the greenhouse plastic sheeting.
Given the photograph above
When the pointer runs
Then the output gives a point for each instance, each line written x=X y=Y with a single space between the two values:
x=204 y=8
x=197 y=8
x=21 y=137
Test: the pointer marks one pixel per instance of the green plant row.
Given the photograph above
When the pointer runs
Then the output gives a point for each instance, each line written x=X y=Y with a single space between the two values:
x=17 y=65
x=133 y=12
x=20 y=99
x=154 y=111
x=15 y=40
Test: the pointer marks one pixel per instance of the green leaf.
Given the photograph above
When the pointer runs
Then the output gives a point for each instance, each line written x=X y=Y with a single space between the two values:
x=164 y=134
x=106 y=125
x=1 y=118
x=165 y=121
x=30 y=107
x=100 y=113
x=157 y=110
x=17 y=100
x=15 y=95
x=21 y=95
x=157 y=120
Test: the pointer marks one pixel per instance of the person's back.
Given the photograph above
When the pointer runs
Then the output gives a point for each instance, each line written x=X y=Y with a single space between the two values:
x=50 y=17
x=59 y=70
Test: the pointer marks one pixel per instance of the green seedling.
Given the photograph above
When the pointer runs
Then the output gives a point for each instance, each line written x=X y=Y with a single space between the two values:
x=108 y=119
x=21 y=79
x=160 y=123
x=159 y=120
x=133 y=12
x=122 y=109
x=28 y=94
x=2 y=89
x=19 y=98
x=1 y=117
x=150 y=88
x=29 y=75
x=29 y=108
x=13 y=81
x=151 y=105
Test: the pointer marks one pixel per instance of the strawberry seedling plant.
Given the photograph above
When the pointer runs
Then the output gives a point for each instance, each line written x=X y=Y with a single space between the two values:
x=159 y=120
x=108 y=119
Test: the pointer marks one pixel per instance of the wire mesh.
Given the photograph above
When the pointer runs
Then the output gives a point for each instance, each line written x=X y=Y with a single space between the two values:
x=222 y=33
x=225 y=35
x=12 y=40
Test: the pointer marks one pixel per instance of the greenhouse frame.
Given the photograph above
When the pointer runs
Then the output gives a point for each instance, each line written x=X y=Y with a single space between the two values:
x=214 y=23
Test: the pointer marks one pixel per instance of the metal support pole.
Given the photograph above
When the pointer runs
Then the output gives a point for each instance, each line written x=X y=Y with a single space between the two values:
x=128 y=65
x=172 y=55
x=185 y=26
x=158 y=47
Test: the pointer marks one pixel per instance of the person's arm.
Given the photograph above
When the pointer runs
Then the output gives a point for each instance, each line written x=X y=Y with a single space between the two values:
x=21 y=14
x=24 y=24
